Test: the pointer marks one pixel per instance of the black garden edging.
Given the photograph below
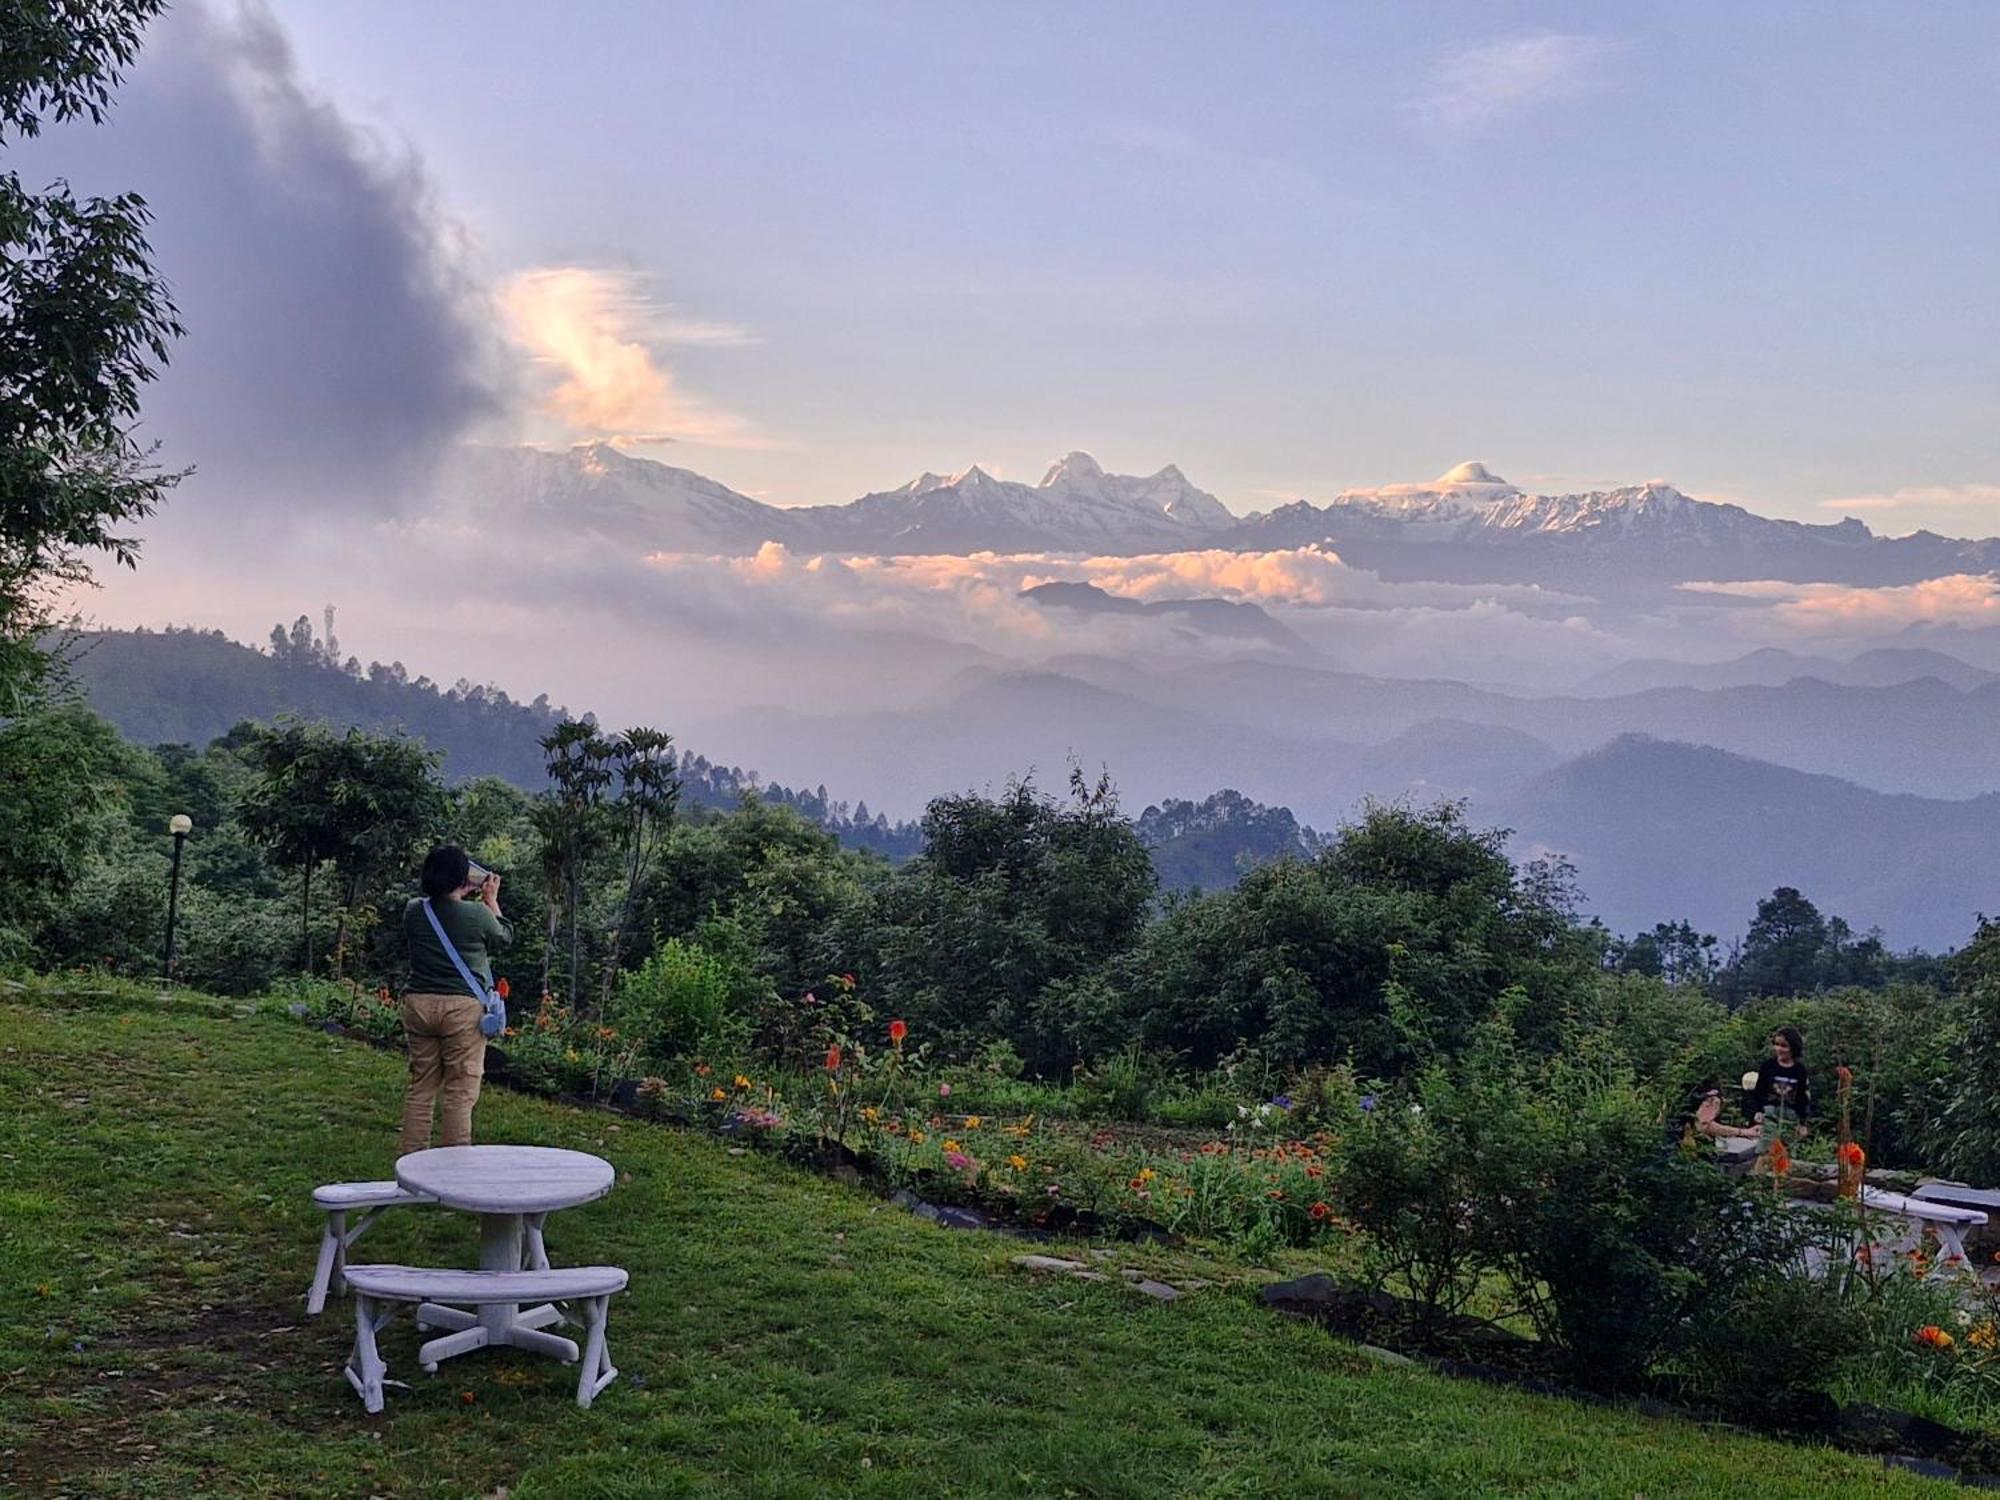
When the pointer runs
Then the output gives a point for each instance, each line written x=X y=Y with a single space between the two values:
x=1472 y=1349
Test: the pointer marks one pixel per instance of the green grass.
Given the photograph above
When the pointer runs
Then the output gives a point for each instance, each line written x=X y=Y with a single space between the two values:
x=784 y=1336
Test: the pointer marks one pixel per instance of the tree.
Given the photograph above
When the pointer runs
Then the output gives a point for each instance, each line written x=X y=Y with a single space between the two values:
x=1672 y=951
x=84 y=323
x=649 y=787
x=361 y=801
x=59 y=781
x=571 y=825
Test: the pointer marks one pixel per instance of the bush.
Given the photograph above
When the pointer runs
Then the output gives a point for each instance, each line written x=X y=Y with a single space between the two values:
x=1616 y=1241
x=1406 y=1177
x=677 y=1004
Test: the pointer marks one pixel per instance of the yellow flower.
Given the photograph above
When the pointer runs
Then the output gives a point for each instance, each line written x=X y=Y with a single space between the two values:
x=871 y=1114
x=951 y=1145
x=972 y=1122
x=916 y=1137
x=742 y=1082
x=1984 y=1336
x=1018 y=1163
x=570 y=1055
x=717 y=1095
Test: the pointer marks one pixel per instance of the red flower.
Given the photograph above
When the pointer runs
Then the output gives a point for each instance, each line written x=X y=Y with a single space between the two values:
x=833 y=1058
x=1852 y=1155
x=1321 y=1212
x=503 y=988
x=1844 y=1073
x=897 y=1031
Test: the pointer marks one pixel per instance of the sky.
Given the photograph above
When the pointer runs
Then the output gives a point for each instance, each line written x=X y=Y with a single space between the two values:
x=813 y=250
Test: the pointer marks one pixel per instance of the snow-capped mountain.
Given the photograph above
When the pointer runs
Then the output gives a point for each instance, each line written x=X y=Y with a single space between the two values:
x=1076 y=507
x=598 y=490
x=1470 y=525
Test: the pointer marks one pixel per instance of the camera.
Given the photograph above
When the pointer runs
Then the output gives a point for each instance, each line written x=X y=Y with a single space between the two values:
x=476 y=873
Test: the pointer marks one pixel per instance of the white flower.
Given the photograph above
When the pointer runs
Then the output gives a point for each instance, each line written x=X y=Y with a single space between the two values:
x=1416 y=1109
x=1749 y=1080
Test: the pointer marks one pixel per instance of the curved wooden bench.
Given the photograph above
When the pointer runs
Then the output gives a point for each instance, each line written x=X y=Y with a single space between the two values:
x=379 y=1290
x=339 y=1200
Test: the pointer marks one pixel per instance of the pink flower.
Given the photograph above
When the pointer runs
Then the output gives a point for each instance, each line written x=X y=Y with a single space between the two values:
x=944 y=1091
x=958 y=1161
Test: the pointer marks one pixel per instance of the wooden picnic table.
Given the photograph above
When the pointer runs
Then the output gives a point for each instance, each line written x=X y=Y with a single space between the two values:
x=504 y=1185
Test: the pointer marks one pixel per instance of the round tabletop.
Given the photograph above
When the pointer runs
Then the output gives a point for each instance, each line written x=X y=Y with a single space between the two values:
x=506 y=1179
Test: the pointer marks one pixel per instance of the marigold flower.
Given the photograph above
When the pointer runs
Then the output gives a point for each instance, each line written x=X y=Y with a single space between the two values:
x=1852 y=1155
x=916 y=1137
x=897 y=1031
x=717 y=1095
x=949 y=1146
x=973 y=1122
x=1018 y=1163
x=871 y=1114
x=833 y=1058
x=1934 y=1337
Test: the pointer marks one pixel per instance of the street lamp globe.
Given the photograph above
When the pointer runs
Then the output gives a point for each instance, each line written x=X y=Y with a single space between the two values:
x=180 y=825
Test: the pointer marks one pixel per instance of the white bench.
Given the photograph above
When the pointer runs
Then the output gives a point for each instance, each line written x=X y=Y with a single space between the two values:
x=339 y=1200
x=379 y=1289
x=1946 y=1220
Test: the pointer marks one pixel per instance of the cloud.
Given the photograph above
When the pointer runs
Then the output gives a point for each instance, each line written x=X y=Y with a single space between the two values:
x=334 y=341
x=1834 y=608
x=597 y=336
x=1978 y=504
x=1477 y=89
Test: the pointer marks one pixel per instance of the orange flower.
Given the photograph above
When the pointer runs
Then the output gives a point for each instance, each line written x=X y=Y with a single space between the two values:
x=1852 y=1155
x=717 y=1095
x=1934 y=1337
x=897 y=1031
x=504 y=988
x=1781 y=1159
x=833 y=1058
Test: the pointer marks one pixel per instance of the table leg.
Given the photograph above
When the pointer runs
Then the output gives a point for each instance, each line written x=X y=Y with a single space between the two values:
x=436 y=1315
x=499 y=1250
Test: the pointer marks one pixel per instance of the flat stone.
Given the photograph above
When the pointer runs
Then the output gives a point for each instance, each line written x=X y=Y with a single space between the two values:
x=1316 y=1290
x=1383 y=1356
x=1049 y=1263
x=1158 y=1289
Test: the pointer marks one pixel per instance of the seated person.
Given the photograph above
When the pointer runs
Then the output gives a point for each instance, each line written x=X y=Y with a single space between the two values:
x=1701 y=1118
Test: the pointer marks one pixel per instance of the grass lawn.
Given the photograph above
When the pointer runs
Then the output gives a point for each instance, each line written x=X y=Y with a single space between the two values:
x=783 y=1336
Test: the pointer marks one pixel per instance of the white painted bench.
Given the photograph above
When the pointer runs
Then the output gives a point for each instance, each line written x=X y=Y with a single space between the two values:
x=1948 y=1221
x=340 y=1200
x=379 y=1289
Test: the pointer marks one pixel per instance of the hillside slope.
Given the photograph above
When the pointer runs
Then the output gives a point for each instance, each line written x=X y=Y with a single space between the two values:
x=782 y=1336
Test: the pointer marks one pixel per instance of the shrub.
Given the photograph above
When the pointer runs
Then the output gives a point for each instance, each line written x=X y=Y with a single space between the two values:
x=1613 y=1239
x=677 y=1004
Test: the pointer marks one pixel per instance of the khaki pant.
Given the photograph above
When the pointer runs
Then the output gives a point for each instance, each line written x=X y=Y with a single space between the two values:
x=446 y=1048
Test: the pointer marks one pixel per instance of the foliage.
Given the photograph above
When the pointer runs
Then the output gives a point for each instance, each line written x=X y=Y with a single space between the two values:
x=1208 y=845
x=680 y=1003
x=84 y=323
x=362 y=802
x=59 y=790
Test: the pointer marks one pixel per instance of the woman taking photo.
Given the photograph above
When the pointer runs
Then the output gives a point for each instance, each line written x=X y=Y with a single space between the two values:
x=440 y=1014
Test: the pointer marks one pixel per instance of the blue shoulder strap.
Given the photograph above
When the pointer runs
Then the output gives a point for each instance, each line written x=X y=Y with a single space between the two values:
x=471 y=980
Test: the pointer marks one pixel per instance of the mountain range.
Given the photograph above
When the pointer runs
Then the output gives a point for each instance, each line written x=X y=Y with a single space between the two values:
x=1468 y=525
x=1660 y=829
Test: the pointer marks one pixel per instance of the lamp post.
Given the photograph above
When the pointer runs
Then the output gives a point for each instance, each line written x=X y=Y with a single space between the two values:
x=179 y=825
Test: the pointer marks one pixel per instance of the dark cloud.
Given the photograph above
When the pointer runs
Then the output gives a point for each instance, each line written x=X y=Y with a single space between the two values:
x=333 y=348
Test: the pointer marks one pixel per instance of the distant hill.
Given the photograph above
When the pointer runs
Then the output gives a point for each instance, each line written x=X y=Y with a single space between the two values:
x=1222 y=619
x=191 y=686
x=1661 y=830
x=1770 y=667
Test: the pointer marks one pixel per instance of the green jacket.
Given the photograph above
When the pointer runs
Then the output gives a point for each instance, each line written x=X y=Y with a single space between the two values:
x=475 y=932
